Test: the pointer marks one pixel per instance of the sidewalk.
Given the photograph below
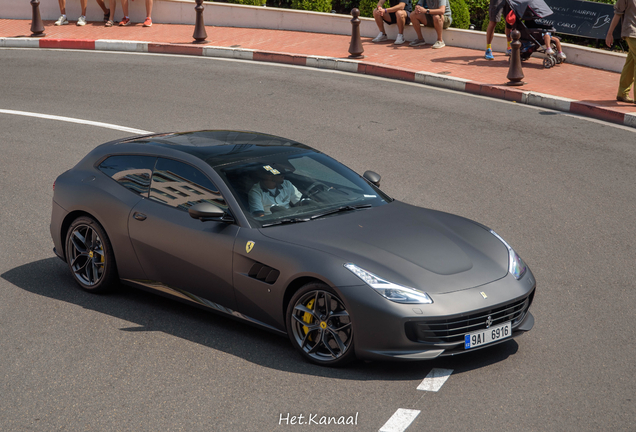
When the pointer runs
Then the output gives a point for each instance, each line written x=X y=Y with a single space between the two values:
x=566 y=87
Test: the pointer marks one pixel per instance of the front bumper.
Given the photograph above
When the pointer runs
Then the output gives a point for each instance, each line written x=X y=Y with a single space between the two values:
x=384 y=330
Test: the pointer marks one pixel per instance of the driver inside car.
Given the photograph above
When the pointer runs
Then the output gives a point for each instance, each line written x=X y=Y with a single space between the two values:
x=272 y=193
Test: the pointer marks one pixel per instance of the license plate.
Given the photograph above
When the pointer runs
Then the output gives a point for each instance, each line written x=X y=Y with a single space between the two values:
x=483 y=337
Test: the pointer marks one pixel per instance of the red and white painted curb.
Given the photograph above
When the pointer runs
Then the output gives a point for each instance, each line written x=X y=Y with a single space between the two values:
x=346 y=65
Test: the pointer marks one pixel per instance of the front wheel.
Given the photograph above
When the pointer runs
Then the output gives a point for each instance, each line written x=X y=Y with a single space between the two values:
x=319 y=325
x=90 y=256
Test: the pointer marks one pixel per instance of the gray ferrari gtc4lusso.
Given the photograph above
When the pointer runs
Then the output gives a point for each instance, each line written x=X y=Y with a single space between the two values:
x=271 y=231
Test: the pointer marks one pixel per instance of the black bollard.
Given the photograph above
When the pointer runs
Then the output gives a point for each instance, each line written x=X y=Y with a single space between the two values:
x=199 y=28
x=515 y=73
x=355 y=48
x=37 y=29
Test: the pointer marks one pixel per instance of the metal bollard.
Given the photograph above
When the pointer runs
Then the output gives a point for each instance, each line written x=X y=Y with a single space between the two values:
x=355 y=48
x=515 y=73
x=199 y=28
x=37 y=29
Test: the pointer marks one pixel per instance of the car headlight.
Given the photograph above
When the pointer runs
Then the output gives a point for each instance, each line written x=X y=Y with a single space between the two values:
x=516 y=266
x=389 y=290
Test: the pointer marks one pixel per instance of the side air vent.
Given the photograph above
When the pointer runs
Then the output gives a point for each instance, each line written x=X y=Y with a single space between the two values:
x=263 y=273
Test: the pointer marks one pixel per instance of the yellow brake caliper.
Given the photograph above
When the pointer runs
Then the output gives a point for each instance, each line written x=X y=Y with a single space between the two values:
x=307 y=316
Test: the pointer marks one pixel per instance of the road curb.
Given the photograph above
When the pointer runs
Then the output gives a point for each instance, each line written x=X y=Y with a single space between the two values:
x=356 y=66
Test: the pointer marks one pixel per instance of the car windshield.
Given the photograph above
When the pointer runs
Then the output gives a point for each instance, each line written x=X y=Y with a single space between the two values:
x=297 y=187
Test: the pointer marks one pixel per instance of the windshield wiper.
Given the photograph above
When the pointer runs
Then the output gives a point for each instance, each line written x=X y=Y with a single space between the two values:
x=341 y=209
x=285 y=221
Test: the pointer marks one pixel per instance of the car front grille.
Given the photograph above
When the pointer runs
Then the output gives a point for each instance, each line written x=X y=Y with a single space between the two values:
x=452 y=330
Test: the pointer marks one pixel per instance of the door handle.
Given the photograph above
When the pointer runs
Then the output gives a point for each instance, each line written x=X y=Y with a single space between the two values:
x=139 y=216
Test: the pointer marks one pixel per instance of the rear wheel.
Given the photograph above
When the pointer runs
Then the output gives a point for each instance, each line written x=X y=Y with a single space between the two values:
x=90 y=256
x=320 y=326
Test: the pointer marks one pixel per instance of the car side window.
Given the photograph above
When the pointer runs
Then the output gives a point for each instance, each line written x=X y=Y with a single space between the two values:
x=180 y=185
x=131 y=171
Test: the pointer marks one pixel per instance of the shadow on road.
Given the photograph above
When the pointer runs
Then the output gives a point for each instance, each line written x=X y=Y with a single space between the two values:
x=50 y=278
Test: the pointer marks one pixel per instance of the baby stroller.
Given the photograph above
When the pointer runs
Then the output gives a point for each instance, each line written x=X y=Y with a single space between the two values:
x=522 y=15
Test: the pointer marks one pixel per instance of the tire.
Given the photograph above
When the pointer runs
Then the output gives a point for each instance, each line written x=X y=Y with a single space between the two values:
x=90 y=256
x=319 y=325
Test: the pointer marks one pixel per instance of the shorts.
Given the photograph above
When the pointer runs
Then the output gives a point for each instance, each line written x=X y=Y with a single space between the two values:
x=429 y=22
x=394 y=18
x=495 y=10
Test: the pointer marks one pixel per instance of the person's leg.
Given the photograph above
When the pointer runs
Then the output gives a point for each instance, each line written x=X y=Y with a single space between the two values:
x=438 y=23
x=379 y=21
x=546 y=40
x=628 y=75
x=62 y=19
x=418 y=19
x=102 y=5
x=400 y=17
x=148 y=8
x=111 y=19
x=125 y=20
x=490 y=32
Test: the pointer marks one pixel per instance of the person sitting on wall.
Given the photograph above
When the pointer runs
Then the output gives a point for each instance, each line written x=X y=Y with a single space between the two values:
x=398 y=12
x=81 y=21
x=431 y=13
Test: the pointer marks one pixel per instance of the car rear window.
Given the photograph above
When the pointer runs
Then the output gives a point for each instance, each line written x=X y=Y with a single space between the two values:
x=131 y=171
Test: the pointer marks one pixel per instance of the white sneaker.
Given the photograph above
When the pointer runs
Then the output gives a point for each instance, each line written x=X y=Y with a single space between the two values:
x=399 y=40
x=561 y=56
x=81 y=21
x=380 y=38
x=61 y=21
x=439 y=44
x=549 y=51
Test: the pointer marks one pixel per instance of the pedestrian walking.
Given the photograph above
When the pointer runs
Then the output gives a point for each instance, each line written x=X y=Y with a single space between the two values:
x=625 y=9
x=495 y=10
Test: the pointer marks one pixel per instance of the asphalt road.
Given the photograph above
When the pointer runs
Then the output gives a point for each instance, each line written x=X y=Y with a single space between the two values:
x=559 y=188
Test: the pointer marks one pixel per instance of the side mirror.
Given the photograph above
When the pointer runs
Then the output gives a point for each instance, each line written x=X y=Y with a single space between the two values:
x=372 y=177
x=209 y=212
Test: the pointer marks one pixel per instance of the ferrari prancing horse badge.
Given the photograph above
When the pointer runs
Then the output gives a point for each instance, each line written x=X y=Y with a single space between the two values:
x=249 y=246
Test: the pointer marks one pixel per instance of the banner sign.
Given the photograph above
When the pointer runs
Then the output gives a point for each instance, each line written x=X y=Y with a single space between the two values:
x=581 y=18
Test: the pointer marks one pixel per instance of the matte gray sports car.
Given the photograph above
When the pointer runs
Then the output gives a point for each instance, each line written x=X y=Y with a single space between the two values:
x=271 y=231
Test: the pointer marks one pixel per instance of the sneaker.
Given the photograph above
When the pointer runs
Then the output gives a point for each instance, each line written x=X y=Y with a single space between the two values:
x=549 y=51
x=380 y=38
x=148 y=22
x=488 y=55
x=418 y=42
x=439 y=44
x=124 y=22
x=399 y=40
x=561 y=56
x=81 y=21
x=509 y=52
x=61 y=21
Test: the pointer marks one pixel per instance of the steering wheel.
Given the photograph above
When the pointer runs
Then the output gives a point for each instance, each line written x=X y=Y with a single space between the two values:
x=315 y=188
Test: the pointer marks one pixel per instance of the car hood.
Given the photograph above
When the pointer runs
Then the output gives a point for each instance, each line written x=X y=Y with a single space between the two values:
x=425 y=249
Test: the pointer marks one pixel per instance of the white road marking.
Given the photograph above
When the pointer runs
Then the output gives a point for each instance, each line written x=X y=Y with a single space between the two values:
x=435 y=379
x=79 y=121
x=400 y=420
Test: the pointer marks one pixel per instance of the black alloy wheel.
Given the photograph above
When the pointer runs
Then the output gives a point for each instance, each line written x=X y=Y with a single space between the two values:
x=319 y=325
x=89 y=255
